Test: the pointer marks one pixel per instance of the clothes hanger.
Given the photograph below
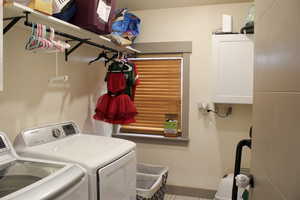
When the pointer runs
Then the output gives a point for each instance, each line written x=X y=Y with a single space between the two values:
x=39 y=36
x=42 y=44
x=38 y=43
x=124 y=61
x=47 y=44
x=120 y=71
x=57 y=44
x=114 y=56
x=57 y=78
x=100 y=56
x=32 y=38
x=36 y=39
x=121 y=59
x=128 y=67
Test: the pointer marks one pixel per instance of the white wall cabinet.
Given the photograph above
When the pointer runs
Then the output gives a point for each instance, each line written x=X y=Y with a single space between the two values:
x=233 y=59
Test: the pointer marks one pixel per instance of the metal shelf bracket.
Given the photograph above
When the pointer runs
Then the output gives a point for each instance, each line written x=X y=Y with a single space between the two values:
x=13 y=21
x=68 y=52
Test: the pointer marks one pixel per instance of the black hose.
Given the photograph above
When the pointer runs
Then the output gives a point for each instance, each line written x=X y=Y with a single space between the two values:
x=237 y=167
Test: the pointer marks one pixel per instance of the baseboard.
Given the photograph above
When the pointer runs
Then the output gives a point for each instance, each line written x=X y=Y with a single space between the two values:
x=193 y=192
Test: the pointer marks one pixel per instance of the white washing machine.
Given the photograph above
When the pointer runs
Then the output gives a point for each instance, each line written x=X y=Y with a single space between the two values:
x=110 y=162
x=33 y=179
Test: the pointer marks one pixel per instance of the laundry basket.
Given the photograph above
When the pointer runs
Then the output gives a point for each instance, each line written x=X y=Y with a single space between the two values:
x=157 y=187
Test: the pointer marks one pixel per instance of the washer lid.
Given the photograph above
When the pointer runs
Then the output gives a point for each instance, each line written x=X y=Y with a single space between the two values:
x=92 y=152
x=18 y=174
x=21 y=180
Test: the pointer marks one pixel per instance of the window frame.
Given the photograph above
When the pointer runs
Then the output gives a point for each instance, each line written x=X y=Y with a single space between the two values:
x=181 y=84
x=185 y=61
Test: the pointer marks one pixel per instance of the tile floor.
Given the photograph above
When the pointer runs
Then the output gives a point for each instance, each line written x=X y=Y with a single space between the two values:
x=176 y=197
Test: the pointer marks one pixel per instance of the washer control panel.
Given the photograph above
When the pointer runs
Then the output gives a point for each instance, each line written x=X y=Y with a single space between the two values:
x=69 y=129
x=49 y=133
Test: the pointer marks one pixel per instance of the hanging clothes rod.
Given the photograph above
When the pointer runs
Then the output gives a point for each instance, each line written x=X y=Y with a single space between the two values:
x=71 y=37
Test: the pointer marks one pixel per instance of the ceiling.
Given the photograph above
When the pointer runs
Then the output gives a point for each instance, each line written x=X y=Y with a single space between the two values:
x=157 y=4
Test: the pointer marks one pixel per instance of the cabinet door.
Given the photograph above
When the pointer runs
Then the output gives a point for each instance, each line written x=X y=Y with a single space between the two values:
x=233 y=68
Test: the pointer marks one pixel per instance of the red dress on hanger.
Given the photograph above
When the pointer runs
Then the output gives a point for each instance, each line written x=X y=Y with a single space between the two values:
x=115 y=107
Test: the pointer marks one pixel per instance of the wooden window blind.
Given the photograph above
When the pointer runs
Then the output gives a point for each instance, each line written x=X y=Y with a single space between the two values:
x=158 y=94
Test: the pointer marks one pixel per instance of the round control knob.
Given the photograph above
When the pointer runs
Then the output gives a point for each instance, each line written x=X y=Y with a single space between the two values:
x=56 y=133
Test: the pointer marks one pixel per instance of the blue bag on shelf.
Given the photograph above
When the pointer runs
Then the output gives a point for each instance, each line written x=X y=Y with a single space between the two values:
x=129 y=25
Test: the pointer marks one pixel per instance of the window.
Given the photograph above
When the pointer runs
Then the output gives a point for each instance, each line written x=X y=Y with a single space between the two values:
x=159 y=94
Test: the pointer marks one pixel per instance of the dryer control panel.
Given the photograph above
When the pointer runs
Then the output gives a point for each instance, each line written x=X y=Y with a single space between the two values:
x=3 y=144
x=49 y=133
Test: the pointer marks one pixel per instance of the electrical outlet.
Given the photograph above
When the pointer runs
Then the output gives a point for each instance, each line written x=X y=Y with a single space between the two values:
x=229 y=111
x=203 y=107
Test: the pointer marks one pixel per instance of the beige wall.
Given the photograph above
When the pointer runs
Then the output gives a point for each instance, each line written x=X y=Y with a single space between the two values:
x=29 y=101
x=210 y=153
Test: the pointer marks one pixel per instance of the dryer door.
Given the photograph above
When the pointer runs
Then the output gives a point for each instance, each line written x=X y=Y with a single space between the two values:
x=117 y=181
